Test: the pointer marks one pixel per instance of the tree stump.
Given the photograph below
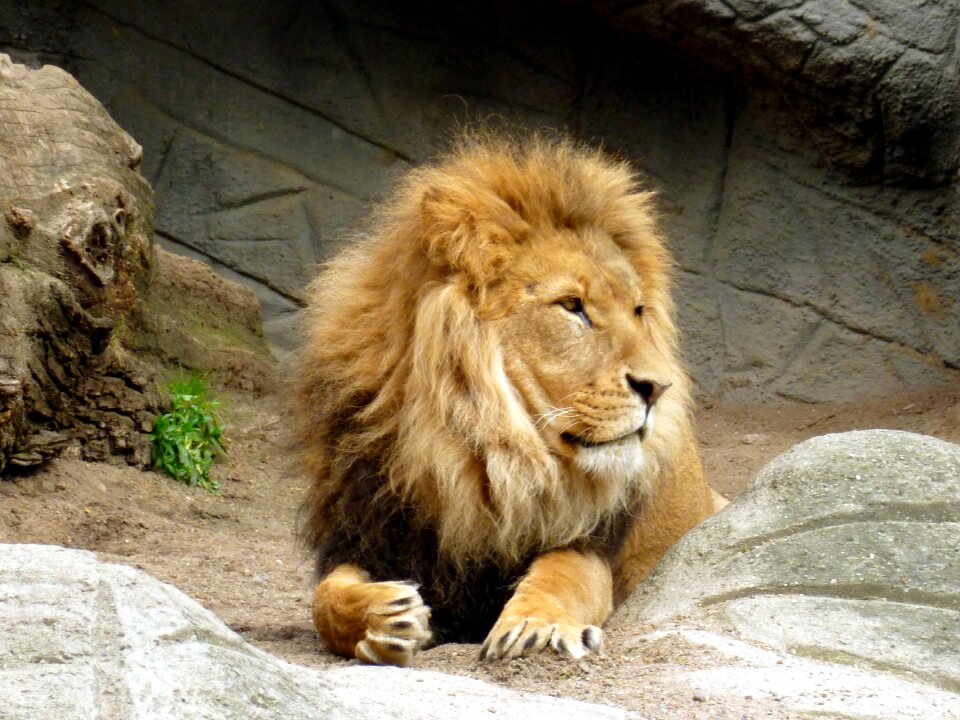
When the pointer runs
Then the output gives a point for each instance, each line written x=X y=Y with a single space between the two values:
x=84 y=294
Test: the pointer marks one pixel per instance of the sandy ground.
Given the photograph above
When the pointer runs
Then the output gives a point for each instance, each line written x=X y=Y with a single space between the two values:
x=236 y=553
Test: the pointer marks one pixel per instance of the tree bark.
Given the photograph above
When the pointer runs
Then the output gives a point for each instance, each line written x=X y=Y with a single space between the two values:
x=82 y=291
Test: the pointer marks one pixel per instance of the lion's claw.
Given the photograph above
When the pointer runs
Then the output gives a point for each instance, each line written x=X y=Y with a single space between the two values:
x=525 y=637
x=592 y=638
x=397 y=627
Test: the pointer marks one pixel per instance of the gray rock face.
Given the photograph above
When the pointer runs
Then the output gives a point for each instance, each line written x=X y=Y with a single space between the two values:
x=844 y=548
x=875 y=80
x=805 y=150
x=84 y=640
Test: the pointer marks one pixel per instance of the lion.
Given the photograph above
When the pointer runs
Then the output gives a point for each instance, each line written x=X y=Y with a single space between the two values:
x=492 y=409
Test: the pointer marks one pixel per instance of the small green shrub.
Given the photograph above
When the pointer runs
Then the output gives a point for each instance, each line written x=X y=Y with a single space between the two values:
x=186 y=439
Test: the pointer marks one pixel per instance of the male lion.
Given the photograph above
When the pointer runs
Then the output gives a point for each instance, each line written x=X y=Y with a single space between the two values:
x=477 y=396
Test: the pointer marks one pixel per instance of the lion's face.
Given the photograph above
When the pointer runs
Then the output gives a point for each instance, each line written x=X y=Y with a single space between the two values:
x=578 y=347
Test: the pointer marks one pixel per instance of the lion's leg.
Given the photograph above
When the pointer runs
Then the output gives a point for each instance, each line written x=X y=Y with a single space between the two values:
x=561 y=602
x=384 y=623
x=681 y=500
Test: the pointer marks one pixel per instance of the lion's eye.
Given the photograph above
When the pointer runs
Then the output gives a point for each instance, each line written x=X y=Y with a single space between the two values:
x=638 y=311
x=573 y=304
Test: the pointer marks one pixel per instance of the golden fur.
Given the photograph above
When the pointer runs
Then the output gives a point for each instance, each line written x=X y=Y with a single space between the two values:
x=491 y=349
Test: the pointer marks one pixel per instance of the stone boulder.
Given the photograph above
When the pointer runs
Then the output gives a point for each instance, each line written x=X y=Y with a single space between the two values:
x=844 y=549
x=85 y=639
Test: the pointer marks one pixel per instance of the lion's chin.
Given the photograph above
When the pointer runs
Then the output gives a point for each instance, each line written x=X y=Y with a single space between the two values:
x=617 y=461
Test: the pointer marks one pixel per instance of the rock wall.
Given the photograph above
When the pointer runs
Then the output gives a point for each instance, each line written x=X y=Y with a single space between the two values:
x=806 y=149
x=873 y=81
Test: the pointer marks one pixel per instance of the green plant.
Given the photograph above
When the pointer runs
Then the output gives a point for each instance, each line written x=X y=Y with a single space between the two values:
x=186 y=439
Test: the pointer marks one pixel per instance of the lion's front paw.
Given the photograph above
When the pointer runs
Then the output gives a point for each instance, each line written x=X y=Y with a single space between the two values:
x=513 y=637
x=398 y=624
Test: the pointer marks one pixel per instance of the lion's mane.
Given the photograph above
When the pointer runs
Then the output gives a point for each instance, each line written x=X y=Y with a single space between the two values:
x=406 y=418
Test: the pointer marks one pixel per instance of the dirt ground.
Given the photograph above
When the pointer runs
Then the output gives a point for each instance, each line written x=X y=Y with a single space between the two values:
x=236 y=553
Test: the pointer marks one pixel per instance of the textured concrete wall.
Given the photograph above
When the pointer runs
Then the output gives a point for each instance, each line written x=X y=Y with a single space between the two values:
x=874 y=81
x=808 y=191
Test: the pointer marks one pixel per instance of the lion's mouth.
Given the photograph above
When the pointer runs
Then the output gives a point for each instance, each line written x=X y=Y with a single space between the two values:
x=584 y=442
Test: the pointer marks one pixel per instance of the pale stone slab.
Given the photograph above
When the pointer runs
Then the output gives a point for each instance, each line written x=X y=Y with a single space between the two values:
x=843 y=549
x=81 y=639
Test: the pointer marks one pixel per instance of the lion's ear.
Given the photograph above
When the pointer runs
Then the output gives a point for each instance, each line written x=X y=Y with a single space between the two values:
x=476 y=233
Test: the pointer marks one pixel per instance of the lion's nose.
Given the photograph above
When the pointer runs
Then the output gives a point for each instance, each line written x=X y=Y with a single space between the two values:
x=649 y=390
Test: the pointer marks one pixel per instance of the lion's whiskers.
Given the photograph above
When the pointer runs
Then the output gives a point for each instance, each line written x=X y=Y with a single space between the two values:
x=544 y=419
x=569 y=425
